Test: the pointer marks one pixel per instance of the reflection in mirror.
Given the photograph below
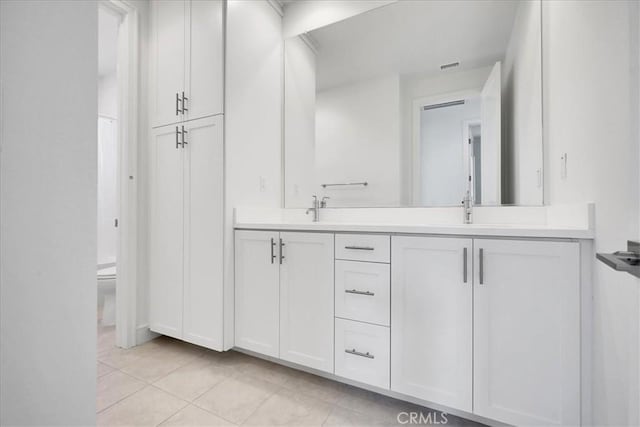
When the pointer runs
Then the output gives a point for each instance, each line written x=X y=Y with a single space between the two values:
x=417 y=103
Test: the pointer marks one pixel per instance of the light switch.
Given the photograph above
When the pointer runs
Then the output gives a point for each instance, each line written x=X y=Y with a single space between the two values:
x=563 y=166
x=263 y=184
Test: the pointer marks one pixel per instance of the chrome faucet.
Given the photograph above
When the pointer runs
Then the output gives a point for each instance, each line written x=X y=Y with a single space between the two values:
x=467 y=205
x=317 y=205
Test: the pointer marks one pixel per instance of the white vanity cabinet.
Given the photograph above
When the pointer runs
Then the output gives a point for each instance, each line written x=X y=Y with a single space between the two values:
x=284 y=296
x=306 y=299
x=186 y=231
x=187 y=64
x=527 y=331
x=487 y=326
x=257 y=292
x=432 y=319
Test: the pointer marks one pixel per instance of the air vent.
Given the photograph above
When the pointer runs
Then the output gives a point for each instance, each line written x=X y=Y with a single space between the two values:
x=450 y=65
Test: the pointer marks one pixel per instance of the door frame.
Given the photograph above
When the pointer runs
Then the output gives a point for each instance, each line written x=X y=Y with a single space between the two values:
x=418 y=103
x=467 y=155
x=127 y=174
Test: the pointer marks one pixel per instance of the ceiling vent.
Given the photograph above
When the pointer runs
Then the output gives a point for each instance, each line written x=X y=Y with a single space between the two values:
x=450 y=65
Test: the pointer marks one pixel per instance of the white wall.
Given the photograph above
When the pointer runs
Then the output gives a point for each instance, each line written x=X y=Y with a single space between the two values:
x=107 y=189
x=415 y=86
x=303 y=16
x=48 y=212
x=522 y=110
x=357 y=139
x=590 y=98
x=107 y=157
x=108 y=95
x=300 y=122
x=253 y=120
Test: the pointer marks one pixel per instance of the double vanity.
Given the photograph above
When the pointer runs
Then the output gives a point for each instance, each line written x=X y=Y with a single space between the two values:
x=482 y=320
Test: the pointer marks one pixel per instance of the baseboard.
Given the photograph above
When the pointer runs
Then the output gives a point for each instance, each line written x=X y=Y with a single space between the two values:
x=144 y=334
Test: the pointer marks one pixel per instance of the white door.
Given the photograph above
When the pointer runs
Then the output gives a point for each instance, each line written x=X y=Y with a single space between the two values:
x=491 y=137
x=257 y=299
x=306 y=299
x=166 y=234
x=203 y=230
x=205 y=63
x=527 y=332
x=431 y=319
x=168 y=41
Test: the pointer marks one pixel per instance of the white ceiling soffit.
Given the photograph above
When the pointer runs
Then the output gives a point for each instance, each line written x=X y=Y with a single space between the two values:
x=410 y=37
x=108 y=23
x=301 y=16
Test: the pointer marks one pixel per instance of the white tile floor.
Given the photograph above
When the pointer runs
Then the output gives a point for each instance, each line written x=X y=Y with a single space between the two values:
x=170 y=383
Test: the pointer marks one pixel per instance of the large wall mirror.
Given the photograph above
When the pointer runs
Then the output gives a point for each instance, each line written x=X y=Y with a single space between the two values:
x=417 y=103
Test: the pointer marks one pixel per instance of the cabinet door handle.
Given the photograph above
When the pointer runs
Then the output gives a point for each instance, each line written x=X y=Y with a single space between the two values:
x=359 y=248
x=178 y=110
x=184 y=103
x=184 y=141
x=281 y=251
x=464 y=265
x=358 y=353
x=273 y=250
x=354 y=291
x=481 y=265
x=177 y=140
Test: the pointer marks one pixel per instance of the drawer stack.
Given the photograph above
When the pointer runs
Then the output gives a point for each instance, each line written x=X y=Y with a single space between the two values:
x=362 y=308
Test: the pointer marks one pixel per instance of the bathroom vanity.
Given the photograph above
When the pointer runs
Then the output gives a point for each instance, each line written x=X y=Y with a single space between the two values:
x=482 y=319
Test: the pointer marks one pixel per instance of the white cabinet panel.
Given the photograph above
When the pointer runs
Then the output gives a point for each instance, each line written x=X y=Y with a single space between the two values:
x=363 y=247
x=363 y=291
x=306 y=300
x=166 y=236
x=205 y=66
x=431 y=319
x=168 y=42
x=527 y=332
x=203 y=230
x=257 y=298
x=362 y=352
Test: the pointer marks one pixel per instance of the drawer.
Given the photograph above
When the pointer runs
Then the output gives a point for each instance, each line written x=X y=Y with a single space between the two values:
x=362 y=352
x=363 y=291
x=363 y=247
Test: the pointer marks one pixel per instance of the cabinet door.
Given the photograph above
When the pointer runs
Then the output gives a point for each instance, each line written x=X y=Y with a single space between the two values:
x=306 y=300
x=257 y=291
x=205 y=63
x=431 y=319
x=527 y=332
x=166 y=235
x=203 y=230
x=168 y=69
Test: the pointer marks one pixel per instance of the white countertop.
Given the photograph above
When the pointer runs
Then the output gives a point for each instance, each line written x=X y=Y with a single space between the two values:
x=506 y=230
x=539 y=222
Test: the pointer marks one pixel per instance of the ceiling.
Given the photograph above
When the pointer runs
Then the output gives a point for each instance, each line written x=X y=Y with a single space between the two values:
x=108 y=23
x=413 y=36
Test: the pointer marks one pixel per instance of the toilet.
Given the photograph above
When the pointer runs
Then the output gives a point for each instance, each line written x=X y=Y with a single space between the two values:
x=106 y=276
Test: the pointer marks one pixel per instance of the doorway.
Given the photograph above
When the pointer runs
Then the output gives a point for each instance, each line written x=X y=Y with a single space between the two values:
x=117 y=172
x=107 y=219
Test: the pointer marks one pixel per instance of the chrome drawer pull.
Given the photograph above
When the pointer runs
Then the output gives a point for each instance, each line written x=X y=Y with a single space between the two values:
x=359 y=248
x=357 y=353
x=353 y=291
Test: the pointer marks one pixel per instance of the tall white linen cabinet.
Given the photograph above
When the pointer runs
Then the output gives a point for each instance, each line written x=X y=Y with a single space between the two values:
x=186 y=170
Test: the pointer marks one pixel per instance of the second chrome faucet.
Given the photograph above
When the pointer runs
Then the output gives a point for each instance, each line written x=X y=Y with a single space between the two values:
x=316 y=206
